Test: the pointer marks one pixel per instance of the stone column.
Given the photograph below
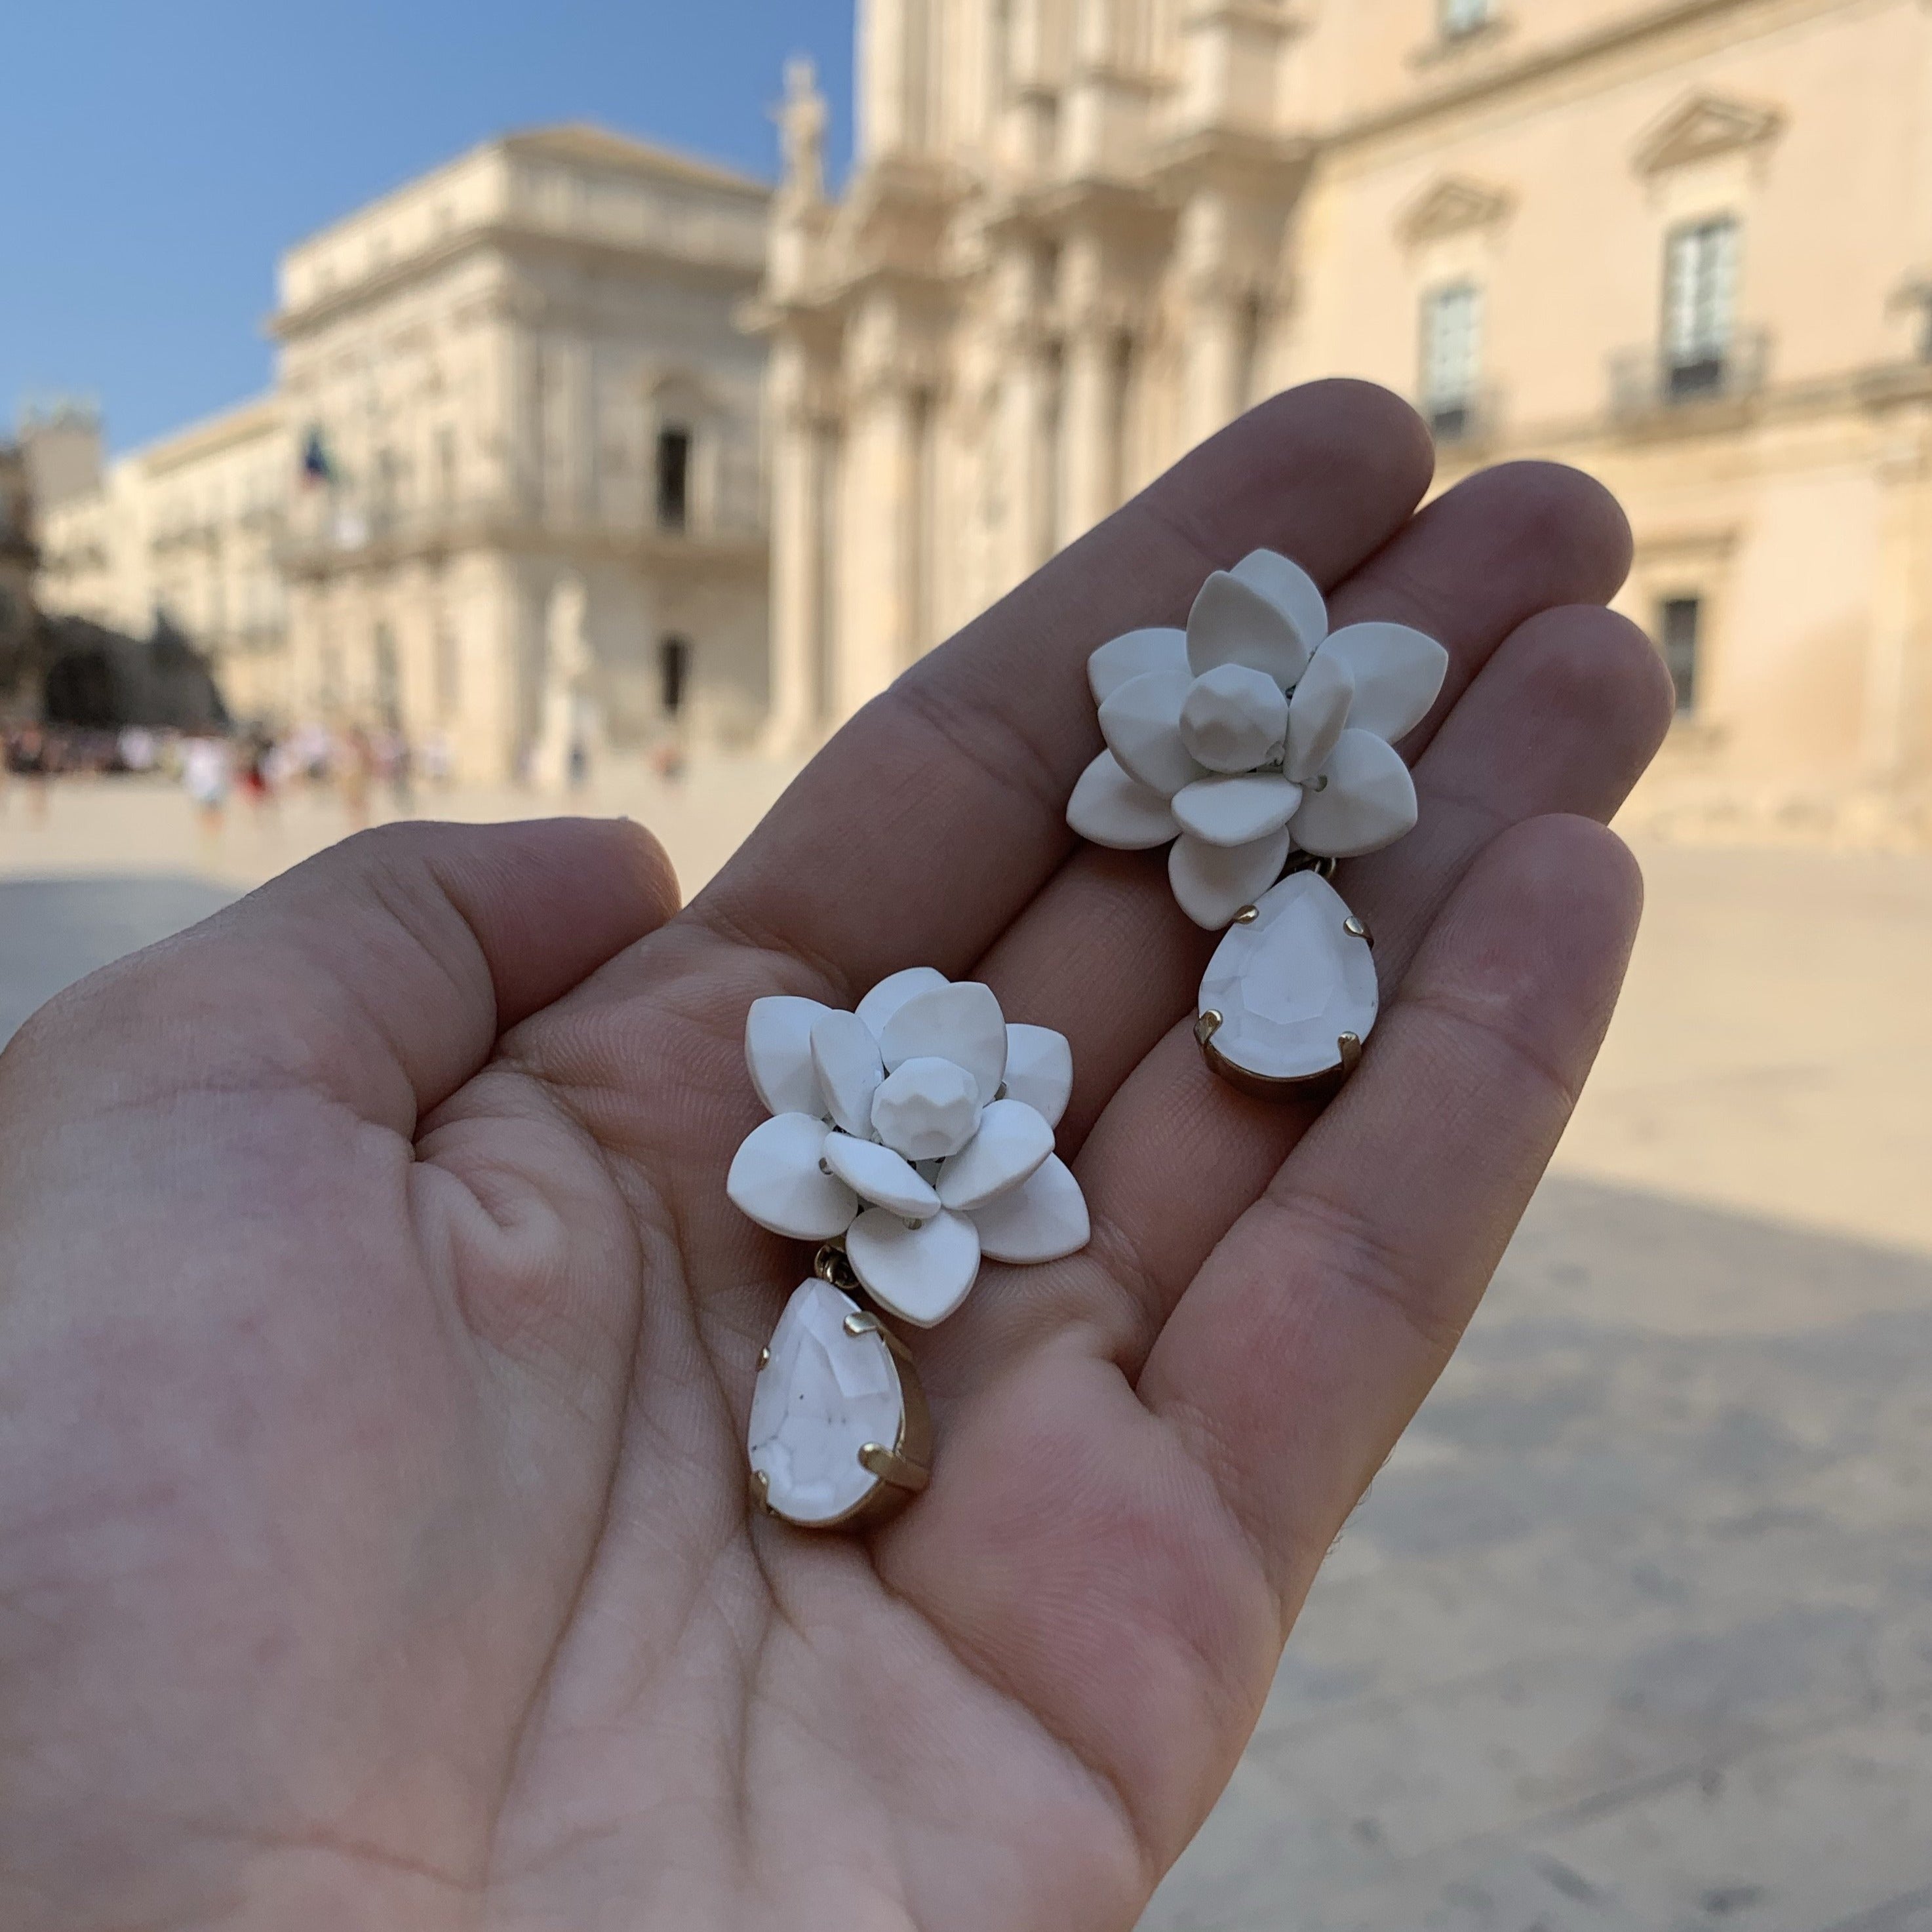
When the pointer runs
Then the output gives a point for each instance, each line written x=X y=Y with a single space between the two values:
x=798 y=563
x=874 y=640
x=1897 y=735
x=1090 y=419
x=1211 y=372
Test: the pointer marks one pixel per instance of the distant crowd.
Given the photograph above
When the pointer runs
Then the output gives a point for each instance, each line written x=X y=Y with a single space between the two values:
x=357 y=762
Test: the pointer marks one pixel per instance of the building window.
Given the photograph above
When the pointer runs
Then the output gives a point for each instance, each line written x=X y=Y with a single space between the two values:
x=1452 y=357
x=1679 y=619
x=673 y=478
x=674 y=674
x=1458 y=17
x=1700 y=275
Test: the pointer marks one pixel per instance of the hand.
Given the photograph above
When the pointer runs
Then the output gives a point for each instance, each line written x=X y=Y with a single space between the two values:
x=376 y=1341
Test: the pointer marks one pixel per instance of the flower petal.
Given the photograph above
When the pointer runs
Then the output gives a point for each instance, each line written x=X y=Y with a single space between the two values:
x=877 y=1174
x=1123 y=658
x=1212 y=883
x=920 y=1273
x=1368 y=802
x=892 y=992
x=1290 y=589
x=1039 y=1070
x=1141 y=724
x=1041 y=1220
x=1113 y=809
x=1011 y=1142
x=1234 y=719
x=1236 y=811
x=926 y=1109
x=1398 y=672
x=1232 y=622
x=962 y=1023
x=845 y=1056
x=1317 y=712
x=778 y=1049
x=776 y=1180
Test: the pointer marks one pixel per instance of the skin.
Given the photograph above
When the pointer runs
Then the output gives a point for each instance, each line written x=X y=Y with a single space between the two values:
x=375 y=1340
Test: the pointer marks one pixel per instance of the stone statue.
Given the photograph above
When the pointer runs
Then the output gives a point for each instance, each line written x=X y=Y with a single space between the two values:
x=801 y=121
x=571 y=737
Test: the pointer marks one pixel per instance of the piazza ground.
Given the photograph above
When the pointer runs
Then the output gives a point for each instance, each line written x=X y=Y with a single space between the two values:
x=1634 y=1632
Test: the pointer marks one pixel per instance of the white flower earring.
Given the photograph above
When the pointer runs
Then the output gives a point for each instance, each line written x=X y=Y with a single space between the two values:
x=912 y=1139
x=1255 y=735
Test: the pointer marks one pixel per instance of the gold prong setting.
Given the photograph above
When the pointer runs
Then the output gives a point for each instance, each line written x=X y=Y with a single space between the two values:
x=877 y=1384
x=1303 y=938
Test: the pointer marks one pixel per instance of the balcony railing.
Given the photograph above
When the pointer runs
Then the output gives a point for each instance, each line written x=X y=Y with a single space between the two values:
x=1648 y=381
x=322 y=530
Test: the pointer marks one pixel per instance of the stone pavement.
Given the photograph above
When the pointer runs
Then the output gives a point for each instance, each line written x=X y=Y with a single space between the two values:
x=1634 y=1632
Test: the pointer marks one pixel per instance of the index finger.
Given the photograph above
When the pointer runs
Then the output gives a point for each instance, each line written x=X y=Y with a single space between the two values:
x=936 y=814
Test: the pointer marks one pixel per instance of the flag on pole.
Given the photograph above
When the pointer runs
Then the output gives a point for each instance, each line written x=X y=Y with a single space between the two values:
x=316 y=466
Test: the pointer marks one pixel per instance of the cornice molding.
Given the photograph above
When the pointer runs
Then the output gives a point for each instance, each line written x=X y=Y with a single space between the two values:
x=511 y=238
x=1703 y=126
x=1452 y=206
x=1548 y=62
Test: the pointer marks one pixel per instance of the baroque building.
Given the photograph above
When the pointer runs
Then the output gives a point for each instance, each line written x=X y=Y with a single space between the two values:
x=1686 y=245
x=184 y=531
x=513 y=446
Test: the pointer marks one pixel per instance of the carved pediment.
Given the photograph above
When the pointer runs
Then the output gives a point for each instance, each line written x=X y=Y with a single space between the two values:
x=1452 y=206
x=1704 y=125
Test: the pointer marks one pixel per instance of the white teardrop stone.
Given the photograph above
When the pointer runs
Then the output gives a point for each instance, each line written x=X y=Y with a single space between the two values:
x=962 y=1023
x=1368 y=801
x=1290 y=589
x=1398 y=673
x=1289 y=984
x=892 y=992
x=1212 y=883
x=1141 y=724
x=778 y=1050
x=845 y=1056
x=1118 y=811
x=1039 y=1070
x=775 y=1178
x=1011 y=1142
x=1234 y=719
x=926 y=1109
x=1041 y=1220
x=822 y=1395
x=1122 y=659
x=920 y=1273
x=1317 y=713
x=877 y=1174
x=1232 y=622
x=1236 y=810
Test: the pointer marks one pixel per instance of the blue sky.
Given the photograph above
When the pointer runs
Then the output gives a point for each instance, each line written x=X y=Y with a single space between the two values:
x=156 y=158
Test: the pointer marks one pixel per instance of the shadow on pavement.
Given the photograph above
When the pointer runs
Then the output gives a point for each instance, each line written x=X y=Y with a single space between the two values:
x=54 y=931
x=1635 y=1630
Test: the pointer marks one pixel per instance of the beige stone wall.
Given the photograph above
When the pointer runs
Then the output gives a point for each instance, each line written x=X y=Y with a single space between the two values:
x=1065 y=257
x=490 y=359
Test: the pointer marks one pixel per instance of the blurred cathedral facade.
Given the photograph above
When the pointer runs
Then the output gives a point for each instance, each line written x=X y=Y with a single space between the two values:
x=1684 y=244
x=512 y=408
x=573 y=428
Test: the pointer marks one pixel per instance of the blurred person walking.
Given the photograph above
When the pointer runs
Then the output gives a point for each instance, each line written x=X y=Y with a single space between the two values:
x=355 y=760
x=30 y=757
x=207 y=772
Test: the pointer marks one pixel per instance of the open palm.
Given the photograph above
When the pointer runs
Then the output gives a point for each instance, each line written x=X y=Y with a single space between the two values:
x=375 y=1341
